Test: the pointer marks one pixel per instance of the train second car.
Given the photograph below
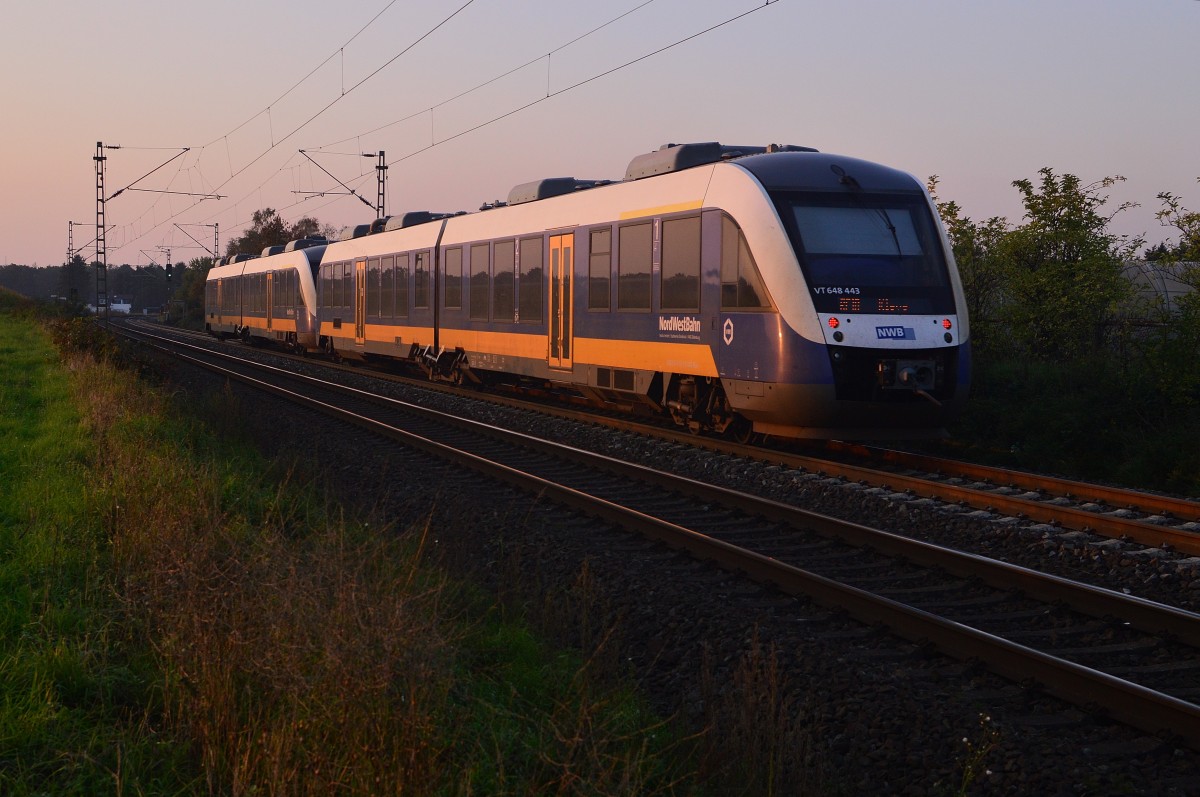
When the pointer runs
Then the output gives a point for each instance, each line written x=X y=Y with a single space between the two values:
x=773 y=290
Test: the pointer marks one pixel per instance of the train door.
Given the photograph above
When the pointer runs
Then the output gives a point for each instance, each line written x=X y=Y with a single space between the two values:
x=561 y=294
x=360 y=302
x=270 y=297
x=220 y=301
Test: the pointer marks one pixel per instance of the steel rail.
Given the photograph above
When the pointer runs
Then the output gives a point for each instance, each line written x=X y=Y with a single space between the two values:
x=1138 y=706
x=1113 y=496
x=1148 y=615
x=1067 y=518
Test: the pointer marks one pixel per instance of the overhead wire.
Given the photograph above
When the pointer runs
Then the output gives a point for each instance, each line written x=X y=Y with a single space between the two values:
x=302 y=80
x=551 y=95
x=345 y=93
x=490 y=81
x=460 y=134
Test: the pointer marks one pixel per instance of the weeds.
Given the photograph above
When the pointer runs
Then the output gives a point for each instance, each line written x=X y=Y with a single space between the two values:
x=233 y=633
x=976 y=752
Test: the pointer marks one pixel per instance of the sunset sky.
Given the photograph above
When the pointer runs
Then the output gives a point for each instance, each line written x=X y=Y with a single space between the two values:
x=978 y=93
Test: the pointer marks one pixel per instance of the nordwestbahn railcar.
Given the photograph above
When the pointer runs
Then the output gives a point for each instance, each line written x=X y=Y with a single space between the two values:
x=272 y=298
x=774 y=290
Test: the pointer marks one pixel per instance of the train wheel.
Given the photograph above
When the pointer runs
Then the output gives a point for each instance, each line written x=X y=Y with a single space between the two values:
x=740 y=430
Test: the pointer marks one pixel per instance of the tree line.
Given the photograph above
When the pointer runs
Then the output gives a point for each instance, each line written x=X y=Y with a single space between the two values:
x=1077 y=370
x=147 y=288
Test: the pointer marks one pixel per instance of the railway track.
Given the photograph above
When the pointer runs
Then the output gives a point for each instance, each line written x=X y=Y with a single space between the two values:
x=1061 y=505
x=1135 y=660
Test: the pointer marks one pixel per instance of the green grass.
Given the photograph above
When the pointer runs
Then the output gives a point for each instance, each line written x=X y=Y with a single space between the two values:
x=76 y=698
x=180 y=616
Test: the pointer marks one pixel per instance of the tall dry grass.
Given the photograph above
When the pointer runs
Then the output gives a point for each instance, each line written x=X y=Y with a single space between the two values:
x=302 y=653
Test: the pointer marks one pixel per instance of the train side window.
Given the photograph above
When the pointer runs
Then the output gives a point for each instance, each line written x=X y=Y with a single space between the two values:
x=600 y=270
x=530 y=280
x=373 y=288
x=453 y=278
x=387 y=290
x=741 y=284
x=504 y=282
x=402 y=286
x=481 y=282
x=680 y=289
x=633 y=266
x=348 y=285
x=421 y=280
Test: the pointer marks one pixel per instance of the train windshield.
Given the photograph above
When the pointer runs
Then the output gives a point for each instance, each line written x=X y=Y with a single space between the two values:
x=868 y=253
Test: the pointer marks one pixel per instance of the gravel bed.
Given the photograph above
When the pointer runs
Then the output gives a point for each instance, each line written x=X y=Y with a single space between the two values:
x=850 y=709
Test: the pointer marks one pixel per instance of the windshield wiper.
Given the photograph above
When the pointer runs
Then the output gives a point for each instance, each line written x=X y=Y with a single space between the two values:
x=887 y=221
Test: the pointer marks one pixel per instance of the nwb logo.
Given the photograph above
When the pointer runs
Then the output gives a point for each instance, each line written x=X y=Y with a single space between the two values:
x=894 y=333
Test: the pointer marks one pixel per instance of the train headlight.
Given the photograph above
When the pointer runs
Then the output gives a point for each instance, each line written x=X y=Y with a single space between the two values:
x=834 y=323
x=946 y=324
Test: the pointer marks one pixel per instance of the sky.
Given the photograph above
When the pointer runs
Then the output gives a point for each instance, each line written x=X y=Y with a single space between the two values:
x=979 y=94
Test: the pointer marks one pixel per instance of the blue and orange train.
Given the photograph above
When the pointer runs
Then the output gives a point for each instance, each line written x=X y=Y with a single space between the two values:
x=774 y=290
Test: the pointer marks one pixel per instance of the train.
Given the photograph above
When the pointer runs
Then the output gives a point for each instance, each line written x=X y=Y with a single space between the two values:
x=766 y=290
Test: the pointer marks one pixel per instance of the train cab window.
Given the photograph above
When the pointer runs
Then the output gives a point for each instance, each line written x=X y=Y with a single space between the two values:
x=373 y=282
x=636 y=242
x=452 y=296
x=402 y=286
x=481 y=282
x=504 y=282
x=531 y=278
x=387 y=290
x=421 y=280
x=680 y=289
x=600 y=270
x=741 y=284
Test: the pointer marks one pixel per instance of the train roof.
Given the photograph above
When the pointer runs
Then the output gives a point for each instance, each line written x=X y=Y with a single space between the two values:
x=820 y=171
x=548 y=187
x=775 y=166
x=415 y=217
x=676 y=157
x=305 y=243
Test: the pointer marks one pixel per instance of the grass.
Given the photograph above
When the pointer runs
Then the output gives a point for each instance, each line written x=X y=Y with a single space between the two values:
x=181 y=616
x=76 y=697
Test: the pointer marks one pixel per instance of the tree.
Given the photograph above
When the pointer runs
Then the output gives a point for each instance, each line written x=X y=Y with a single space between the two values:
x=188 y=309
x=1187 y=249
x=269 y=229
x=76 y=281
x=1064 y=281
x=1173 y=347
x=978 y=254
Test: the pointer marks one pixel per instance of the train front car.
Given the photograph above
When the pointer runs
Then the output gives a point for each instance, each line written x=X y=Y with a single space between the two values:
x=870 y=339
